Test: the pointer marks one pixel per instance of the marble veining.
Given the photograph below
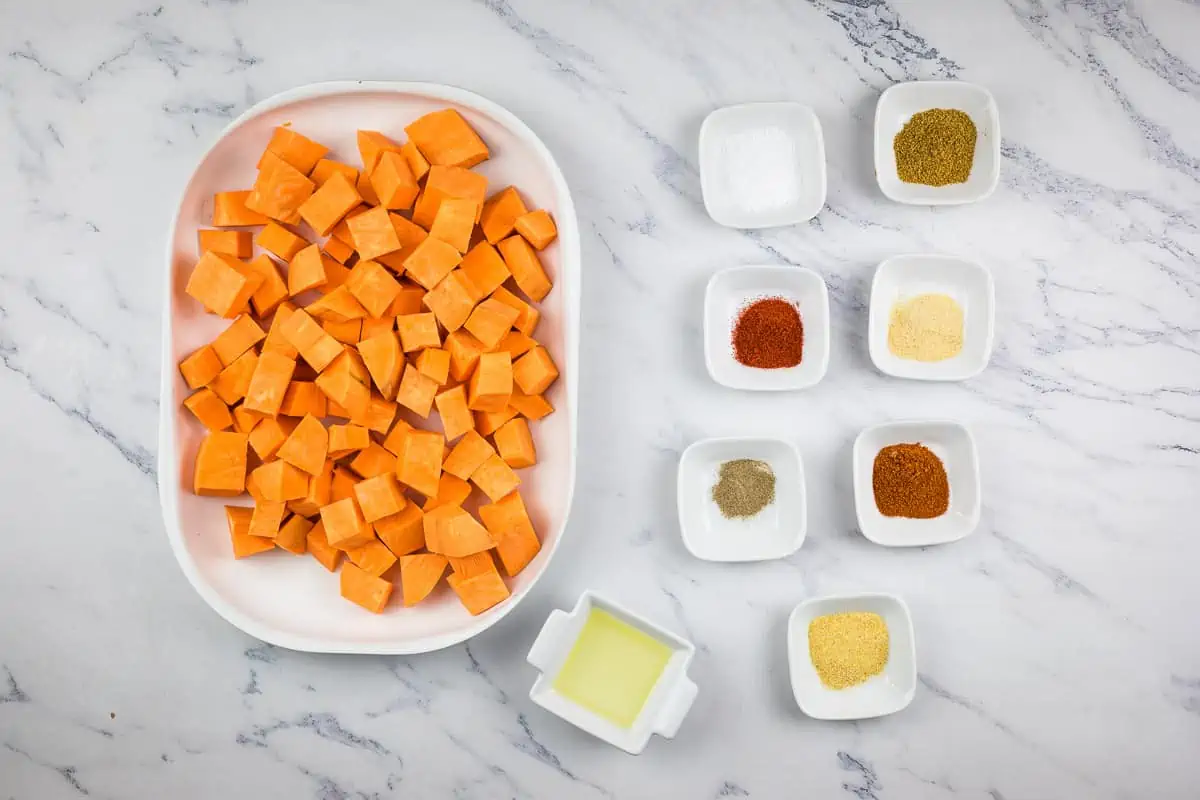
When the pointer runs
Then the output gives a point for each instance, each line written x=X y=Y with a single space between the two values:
x=1057 y=646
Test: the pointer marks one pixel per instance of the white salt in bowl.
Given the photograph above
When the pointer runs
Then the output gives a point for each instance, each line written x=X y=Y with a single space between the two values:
x=762 y=165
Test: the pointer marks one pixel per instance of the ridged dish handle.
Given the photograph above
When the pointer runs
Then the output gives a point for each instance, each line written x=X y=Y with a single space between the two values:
x=548 y=640
x=677 y=707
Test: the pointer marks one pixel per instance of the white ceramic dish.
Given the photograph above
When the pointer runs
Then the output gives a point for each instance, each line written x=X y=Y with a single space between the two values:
x=955 y=446
x=292 y=601
x=667 y=704
x=898 y=104
x=736 y=163
x=970 y=284
x=731 y=290
x=775 y=532
x=890 y=691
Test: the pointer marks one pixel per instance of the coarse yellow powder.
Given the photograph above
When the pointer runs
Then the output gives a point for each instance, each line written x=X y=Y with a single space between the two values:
x=848 y=649
x=928 y=327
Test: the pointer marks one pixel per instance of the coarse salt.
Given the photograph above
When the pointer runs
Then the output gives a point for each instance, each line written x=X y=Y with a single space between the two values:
x=761 y=172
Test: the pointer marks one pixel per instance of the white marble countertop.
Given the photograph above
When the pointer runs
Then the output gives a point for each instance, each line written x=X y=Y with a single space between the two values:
x=1059 y=649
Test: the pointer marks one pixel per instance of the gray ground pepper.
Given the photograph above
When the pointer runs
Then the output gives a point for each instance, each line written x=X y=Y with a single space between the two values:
x=744 y=487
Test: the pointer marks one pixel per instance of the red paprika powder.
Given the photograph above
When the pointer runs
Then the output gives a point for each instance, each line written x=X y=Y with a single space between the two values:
x=768 y=334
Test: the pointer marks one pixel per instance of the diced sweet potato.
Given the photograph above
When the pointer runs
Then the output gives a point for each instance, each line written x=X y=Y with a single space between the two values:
x=338 y=250
x=313 y=344
x=537 y=228
x=491 y=383
x=326 y=555
x=393 y=181
x=267 y=519
x=379 y=497
x=238 y=519
x=280 y=242
x=201 y=368
x=468 y=455
x=373 y=233
x=516 y=344
x=451 y=300
x=472 y=565
x=534 y=371
x=373 y=287
x=435 y=363
x=372 y=327
x=338 y=305
x=242 y=334
x=526 y=268
x=509 y=525
x=500 y=212
x=515 y=444
x=431 y=261
x=296 y=149
x=372 y=145
x=410 y=235
x=280 y=481
x=419 y=575
x=409 y=301
x=320 y=493
x=527 y=315
x=495 y=478
x=293 y=535
x=418 y=331
x=275 y=341
x=453 y=224
x=394 y=441
x=229 y=209
x=416 y=162
x=342 y=485
x=307 y=446
x=447 y=181
x=481 y=592
x=344 y=383
x=303 y=397
x=208 y=408
x=452 y=491
x=384 y=360
x=452 y=408
x=233 y=381
x=335 y=274
x=222 y=284
x=486 y=270
x=403 y=533
x=328 y=204
x=344 y=525
x=373 y=461
x=326 y=168
x=366 y=190
x=239 y=244
x=530 y=406
x=244 y=420
x=269 y=383
x=373 y=558
x=378 y=415
x=453 y=532
x=367 y=590
x=273 y=291
x=279 y=189
x=221 y=465
x=488 y=422
x=307 y=270
x=269 y=435
x=464 y=351
x=490 y=321
x=420 y=464
x=347 y=439
x=416 y=391
x=341 y=231
x=445 y=138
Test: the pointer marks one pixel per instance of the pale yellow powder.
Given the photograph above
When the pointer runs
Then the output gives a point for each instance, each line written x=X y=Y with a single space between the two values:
x=928 y=327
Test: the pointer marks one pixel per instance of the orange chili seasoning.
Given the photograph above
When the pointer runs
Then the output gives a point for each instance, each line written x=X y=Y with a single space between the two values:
x=768 y=334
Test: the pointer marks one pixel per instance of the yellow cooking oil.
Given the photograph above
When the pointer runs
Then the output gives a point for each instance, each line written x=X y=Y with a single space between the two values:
x=612 y=668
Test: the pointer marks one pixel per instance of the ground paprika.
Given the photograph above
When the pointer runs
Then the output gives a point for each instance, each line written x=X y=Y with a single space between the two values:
x=769 y=334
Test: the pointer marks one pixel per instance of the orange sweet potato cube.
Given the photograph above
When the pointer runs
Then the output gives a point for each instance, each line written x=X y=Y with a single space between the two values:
x=453 y=532
x=243 y=420
x=516 y=344
x=273 y=289
x=447 y=181
x=373 y=287
x=416 y=391
x=464 y=351
x=472 y=565
x=239 y=244
x=280 y=481
x=221 y=465
x=534 y=371
x=393 y=181
x=372 y=145
x=409 y=301
x=279 y=189
x=373 y=461
x=500 y=212
x=326 y=168
x=201 y=367
x=418 y=331
x=404 y=532
x=526 y=268
x=384 y=360
x=452 y=491
x=275 y=341
x=338 y=305
x=394 y=441
x=490 y=321
x=326 y=555
x=346 y=382
x=488 y=422
x=450 y=300
x=419 y=575
x=335 y=274
x=420 y=465
x=495 y=478
x=293 y=535
x=346 y=439
x=491 y=383
x=372 y=327
x=515 y=444
x=269 y=384
x=366 y=190
x=508 y=523
x=238 y=519
x=468 y=455
x=435 y=363
x=229 y=209
x=303 y=397
x=374 y=234
x=527 y=315
x=379 y=497
x=480 y=592
x=373 y=558
x=222 y=284
x=242 y=334
x=485 y=270
x=367 y=590
x=327 y=205
x=456 y=416
x=342 y=485
x=410 y=235
x=209 y=409
x=307 y=270
x=378 y=415
x=313 y=344
x=416 y=161
x=431 y=261
x=279 y=241
x=453 y=223
x=296 y=149
x=444 y=137
x=233 y=381
x=269 y=435
x=537 y=227
x=530 y=406
x=344 y=525
x=338 y=250
x=320 y=493
x=267 y=519
x=307 y=447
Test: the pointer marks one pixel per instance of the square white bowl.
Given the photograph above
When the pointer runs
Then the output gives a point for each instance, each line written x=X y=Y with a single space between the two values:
x=896 y=107
x=669 y=700
x=734 y=146
x=903 y=277
x=886 y=693
x=731 y=290
x=775 y=532
x=955 y=446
